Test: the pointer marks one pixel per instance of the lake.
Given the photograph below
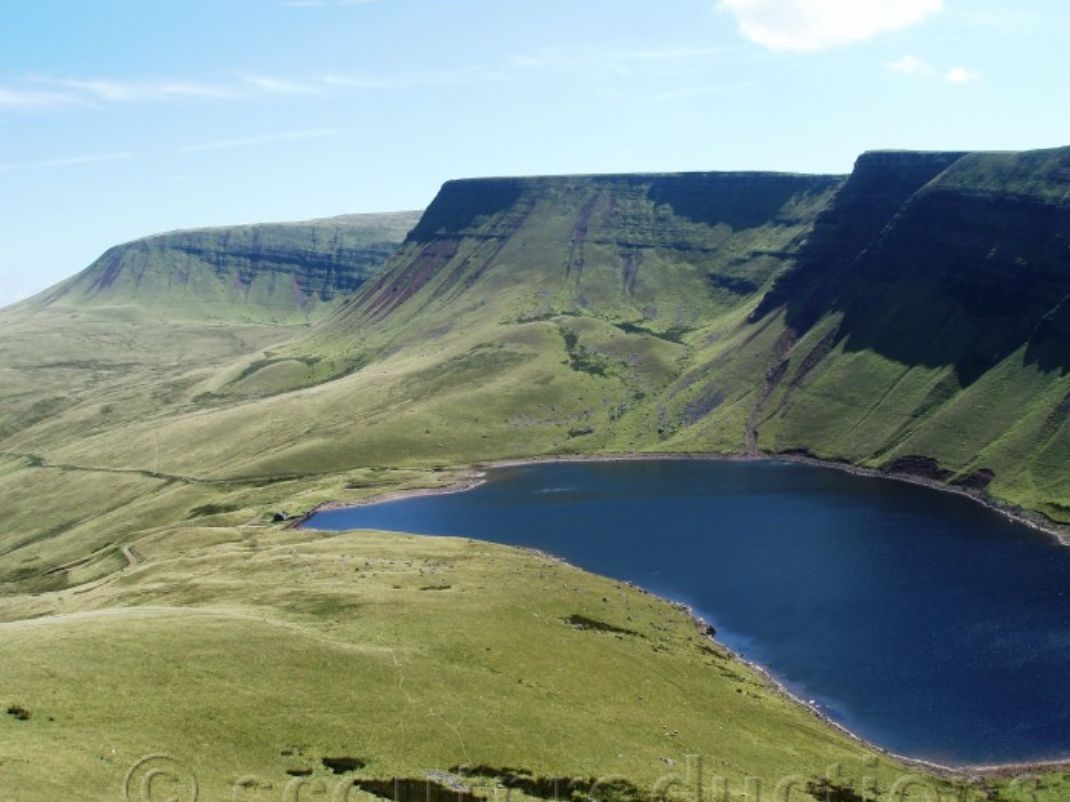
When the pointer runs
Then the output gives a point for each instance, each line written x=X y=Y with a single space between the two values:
x=926 y=623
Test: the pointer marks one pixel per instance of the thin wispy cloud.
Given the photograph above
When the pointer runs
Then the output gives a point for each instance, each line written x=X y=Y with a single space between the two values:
x=68 y=161
x=280 y=86
x=617 y=61
x=807 y=25
x=103 y=92
x=689 y=93
x=125 y=91
x=30 y=99
x=412 y=80
x=261 y=140
x=918 y=68
x=674 y=95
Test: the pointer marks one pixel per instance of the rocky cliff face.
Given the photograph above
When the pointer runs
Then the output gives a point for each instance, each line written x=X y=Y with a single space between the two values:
x=873 y=195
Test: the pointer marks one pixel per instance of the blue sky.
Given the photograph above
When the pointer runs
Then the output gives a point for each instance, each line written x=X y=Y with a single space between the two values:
x=121 y=118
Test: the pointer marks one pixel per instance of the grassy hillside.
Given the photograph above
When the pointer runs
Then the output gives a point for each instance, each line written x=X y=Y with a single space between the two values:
x=124 y=338
x=86 y=359
x=274 y=273
x=160 y=407
x=264 y=656
x=941 y=347
x=552 y=325
x=909 y=319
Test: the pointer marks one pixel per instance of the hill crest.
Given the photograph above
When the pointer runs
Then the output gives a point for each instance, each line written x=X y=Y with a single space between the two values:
x=272 y=272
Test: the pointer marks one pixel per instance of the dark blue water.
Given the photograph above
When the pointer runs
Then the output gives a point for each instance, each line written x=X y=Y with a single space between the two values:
x=922 y=621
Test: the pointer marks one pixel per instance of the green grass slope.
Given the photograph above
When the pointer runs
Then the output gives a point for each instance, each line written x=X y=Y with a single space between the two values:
x=941 y=347
x=911 y=319
x=257 y=659
x=87 y=359
x=276 y=273
x=552 y=324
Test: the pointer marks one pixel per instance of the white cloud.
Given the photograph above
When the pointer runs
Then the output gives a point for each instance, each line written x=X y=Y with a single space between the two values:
x=138 y=91
x=802 y=25
x=280 y=86
x=70 y=161
x=960 y=75
x=426 y=78
x=263 y=139
x=911 y=65
x=616 y=59
x=672 y=96
x=44 y=91
x=23 y=99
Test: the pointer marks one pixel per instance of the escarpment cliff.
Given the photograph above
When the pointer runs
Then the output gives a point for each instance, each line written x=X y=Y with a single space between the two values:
x=913 y=313
x=664 y=249
x=912 y=317
x=268 y=272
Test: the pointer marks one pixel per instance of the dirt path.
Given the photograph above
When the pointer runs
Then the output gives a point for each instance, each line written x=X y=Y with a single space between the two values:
x=132 y=557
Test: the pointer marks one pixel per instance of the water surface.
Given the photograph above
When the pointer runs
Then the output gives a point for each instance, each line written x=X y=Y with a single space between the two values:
x=924 y=622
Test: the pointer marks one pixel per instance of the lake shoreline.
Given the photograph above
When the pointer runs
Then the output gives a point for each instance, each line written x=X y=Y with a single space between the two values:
x=1034 y=520
x=477 y=476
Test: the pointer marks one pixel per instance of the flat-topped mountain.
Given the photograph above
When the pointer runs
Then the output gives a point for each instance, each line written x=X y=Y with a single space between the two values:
x=267 y=272
x=912 y=316
x=615 y=244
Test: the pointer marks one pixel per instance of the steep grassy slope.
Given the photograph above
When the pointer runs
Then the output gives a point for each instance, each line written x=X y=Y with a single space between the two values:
x=554 y=323
x=276 y=273
x=917 y=326
x=259 y=658
x=941 y=345
x=911 y=319
x=132 y=331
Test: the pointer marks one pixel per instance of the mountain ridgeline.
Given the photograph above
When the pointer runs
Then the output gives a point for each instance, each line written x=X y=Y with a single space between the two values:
x=272 y=272
x=911 y=317
x=664 y=250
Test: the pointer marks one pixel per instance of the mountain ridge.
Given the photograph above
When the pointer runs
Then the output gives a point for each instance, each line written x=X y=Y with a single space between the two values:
x=662 y=313
x=260 y=271
x=907 y=263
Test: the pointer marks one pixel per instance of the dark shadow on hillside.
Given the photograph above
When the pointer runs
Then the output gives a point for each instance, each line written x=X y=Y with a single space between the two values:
x=459 y=203
x=936 y=278
x=739 y=200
